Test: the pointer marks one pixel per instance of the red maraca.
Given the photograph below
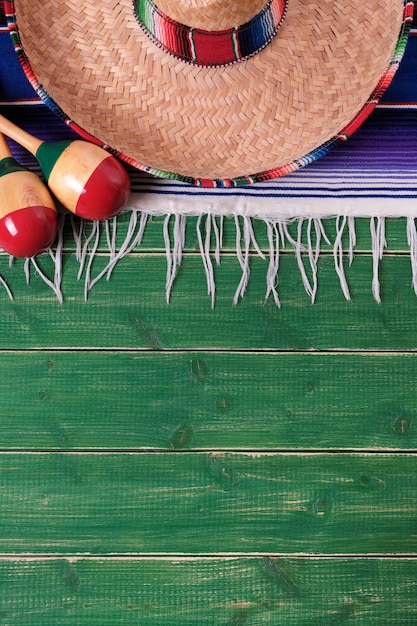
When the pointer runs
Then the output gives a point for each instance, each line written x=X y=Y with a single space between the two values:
x=28 y=219
x=85 y=178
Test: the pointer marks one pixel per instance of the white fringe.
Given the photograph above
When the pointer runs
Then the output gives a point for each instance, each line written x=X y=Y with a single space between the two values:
x=247 y=238
x=173 y=251
x=132 y=239
x=352 y=238
x=378 y=245
x=274 y=239
x=307 y=245
x=205 y=247
x=313 y=248
x=338 y=255
x=6 y=287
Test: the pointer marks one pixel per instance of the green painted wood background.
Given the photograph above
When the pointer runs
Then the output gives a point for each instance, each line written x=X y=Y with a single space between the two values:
x=181 y=465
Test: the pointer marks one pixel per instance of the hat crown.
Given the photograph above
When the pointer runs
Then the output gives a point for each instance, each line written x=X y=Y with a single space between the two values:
x=230 y=32
x=211 y=15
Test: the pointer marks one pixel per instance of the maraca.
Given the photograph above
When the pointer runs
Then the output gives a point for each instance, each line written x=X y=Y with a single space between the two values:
x=85 y=178
x=28 y=219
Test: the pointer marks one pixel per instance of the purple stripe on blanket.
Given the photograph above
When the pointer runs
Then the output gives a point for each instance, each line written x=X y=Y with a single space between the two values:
x=386 y=141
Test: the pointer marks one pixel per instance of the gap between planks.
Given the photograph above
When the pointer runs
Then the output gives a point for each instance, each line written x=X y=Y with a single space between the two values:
x=216 y=556
x=254 y=452
x=255 y=351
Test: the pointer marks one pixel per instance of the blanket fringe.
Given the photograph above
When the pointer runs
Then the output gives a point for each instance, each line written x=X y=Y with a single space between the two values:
x=307 y=244
x=378 y=245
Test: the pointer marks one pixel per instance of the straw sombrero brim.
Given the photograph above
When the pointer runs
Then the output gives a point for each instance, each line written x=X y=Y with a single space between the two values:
x=319 y=77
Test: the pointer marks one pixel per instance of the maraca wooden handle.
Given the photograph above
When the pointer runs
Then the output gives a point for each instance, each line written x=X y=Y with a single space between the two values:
x=4 y=148
x=19 y=135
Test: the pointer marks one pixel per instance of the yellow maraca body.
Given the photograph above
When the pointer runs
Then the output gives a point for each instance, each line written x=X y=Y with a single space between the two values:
x=28 y=219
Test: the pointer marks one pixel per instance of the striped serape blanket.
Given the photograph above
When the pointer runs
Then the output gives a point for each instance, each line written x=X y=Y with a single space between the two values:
x=373 y=175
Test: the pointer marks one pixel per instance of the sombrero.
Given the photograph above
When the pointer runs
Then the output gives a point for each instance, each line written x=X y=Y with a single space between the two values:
x=210 y=91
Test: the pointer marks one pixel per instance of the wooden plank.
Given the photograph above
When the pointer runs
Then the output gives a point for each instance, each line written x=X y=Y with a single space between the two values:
x=219 y=503
x=207 y=400
x=213 y=592
x=130 y=310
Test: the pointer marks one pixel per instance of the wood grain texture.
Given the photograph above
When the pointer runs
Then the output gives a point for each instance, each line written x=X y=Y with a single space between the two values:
x=208 y=503
x=115 y=400
x=126 y=372
x=214 y=592
x=130 y=311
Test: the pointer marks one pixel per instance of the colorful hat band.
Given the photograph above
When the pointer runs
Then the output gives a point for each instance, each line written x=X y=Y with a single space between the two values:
x=210 y=48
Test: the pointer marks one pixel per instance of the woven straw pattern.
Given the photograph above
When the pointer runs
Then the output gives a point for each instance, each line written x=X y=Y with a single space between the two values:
x=102 y=69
